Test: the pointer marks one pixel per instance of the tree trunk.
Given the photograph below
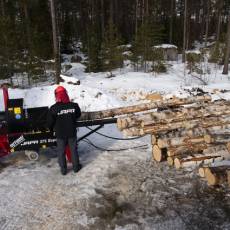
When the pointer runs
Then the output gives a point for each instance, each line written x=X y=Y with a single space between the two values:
x=28 y=35
x=102 y=19
x=55 y=41
x=186 y=150
x=136 y=17
x=179 y=141
x=186 y=114
x=185 y=30
x=142 y=11
x=217 y=138
x=142 y=107
x=227 y=54
x=216 y=148
x=205 y=123
x=2 y=8
x=112 y=11
x=147 y=8
x=194 y=161
x=221 y=130
x=172 y=12
x=220 y=7
x=207 y=22
x=132 y=132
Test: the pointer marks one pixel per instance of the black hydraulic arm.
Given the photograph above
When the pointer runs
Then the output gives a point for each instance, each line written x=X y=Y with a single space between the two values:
x=82 y=123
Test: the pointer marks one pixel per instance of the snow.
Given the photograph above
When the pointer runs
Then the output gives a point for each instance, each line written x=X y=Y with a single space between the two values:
x=120 y=190
x=193 y=51
x=166 y=46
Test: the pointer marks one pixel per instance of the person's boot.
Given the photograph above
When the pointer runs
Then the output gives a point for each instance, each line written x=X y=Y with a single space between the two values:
x=63 y=171
x=77 y=169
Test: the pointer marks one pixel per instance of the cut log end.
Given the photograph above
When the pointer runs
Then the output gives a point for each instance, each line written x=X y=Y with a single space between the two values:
x=161 y=143
x=177 y=163
x=159 y=155
x=153 y=139
x=211 y=177
x=170 y=161
x=201 y=171
x=207 y=139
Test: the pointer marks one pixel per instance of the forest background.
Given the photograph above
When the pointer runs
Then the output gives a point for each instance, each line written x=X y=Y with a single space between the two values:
x=34 y=32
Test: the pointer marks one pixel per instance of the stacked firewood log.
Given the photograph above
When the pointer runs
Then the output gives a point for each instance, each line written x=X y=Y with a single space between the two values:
x=185 y=132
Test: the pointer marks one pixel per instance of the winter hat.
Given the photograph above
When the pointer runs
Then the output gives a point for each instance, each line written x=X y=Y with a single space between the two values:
x=61 y=95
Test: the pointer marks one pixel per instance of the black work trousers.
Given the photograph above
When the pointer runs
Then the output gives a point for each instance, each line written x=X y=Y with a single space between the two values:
x=61 y=144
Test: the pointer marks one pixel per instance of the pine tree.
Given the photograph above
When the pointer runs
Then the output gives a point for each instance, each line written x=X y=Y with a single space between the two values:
x=148 y=35
x=7 y=47
x=111 y=53
x=93 y=51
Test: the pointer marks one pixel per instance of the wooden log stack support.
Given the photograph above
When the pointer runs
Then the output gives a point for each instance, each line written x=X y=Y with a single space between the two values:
x=186 y=132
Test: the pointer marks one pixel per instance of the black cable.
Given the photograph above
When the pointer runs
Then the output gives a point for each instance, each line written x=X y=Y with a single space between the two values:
x=116 y=138
x=112 y=150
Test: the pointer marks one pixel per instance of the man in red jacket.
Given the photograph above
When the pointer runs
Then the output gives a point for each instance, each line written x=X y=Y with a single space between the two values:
x=62 y=117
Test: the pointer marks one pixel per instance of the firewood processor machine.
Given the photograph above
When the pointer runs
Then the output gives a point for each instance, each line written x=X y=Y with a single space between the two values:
x=24 y=129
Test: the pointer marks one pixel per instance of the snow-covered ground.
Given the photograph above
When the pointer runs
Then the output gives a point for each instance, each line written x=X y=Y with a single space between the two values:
x=120 y=190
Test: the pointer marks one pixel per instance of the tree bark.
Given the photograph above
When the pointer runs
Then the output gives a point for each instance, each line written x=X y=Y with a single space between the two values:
x=172 y=12
x=179 y=141
x=153 y=140
x=132 y=132
x=221 y=130
x=102 y=19
x=142 y=107
x=219 y=16
x=227 y=54
x=194 y=160
x=205 y=123
x=185 y=30
x=186 y=114
x=28 y=35
x=2 y=8
x=56 y=49
x=217 y=138
x=136 y=17
x=207 y=22
x=216 y=148
x=185 y=150
x=112 y=11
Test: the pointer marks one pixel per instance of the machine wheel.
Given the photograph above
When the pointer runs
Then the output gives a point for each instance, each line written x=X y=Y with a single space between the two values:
x=32 y=155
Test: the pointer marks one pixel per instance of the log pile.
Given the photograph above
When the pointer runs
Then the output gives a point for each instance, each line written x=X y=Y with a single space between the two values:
x=185 y=132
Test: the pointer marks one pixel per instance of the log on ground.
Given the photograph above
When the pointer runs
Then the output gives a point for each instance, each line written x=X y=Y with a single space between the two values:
x=216 y=175
x=217 y=138
x=143 y=107
x=187 y=124
x=193 y=160
x=187 y=114
x=179 y=141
